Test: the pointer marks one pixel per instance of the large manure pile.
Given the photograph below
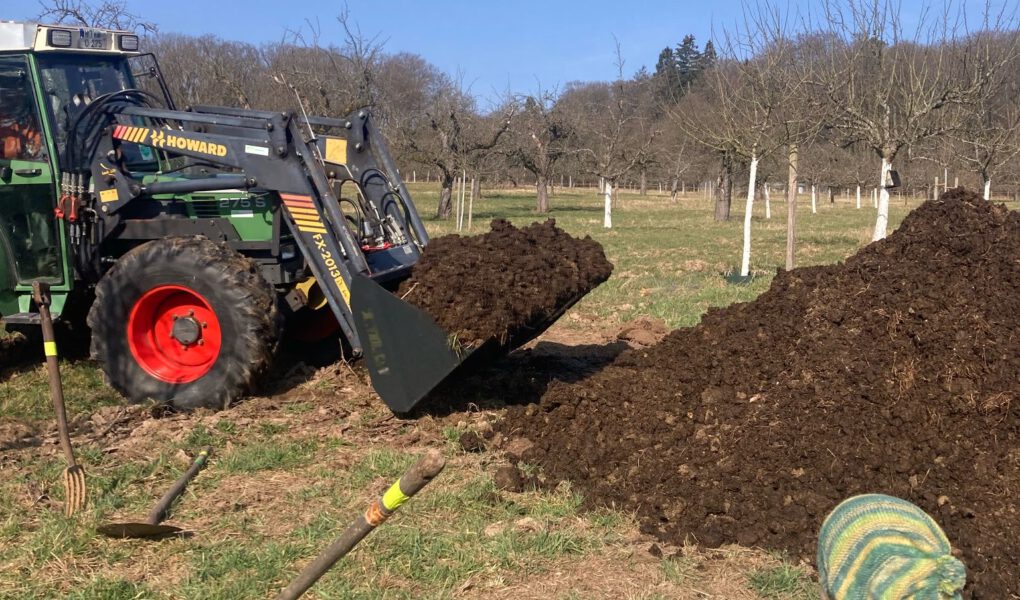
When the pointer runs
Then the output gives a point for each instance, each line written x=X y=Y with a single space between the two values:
x=500 y=284
x=897 y=371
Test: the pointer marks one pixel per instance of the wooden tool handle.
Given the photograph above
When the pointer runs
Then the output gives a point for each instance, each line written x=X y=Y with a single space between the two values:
x=417 y=477
x=159 y=511
x=41 y=295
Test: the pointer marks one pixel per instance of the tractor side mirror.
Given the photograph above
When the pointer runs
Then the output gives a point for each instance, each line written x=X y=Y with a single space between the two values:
x=894 y=180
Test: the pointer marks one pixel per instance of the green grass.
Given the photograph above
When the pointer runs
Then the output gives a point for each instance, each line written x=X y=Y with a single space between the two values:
x=24 y=393
x=272 y=497
x=785 y=582
x=435 y=542
x=679 y=570
x=264 y=455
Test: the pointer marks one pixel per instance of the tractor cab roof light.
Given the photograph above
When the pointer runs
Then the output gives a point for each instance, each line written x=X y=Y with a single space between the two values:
x=128 y=43
x=60 y=38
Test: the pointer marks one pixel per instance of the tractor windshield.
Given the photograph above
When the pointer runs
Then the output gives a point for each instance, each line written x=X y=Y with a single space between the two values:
x=70 y=83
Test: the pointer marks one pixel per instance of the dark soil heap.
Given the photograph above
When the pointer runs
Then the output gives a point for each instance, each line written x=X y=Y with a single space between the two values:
x=897 y=372
x=502 y=283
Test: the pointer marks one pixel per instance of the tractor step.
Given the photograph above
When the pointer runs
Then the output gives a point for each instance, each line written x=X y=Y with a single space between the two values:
x=25 y=318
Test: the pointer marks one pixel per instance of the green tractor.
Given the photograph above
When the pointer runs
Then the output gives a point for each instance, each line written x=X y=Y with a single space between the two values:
x=192 y=238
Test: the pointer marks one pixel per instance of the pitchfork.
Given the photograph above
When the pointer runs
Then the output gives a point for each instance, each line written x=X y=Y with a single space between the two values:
x=74 y=475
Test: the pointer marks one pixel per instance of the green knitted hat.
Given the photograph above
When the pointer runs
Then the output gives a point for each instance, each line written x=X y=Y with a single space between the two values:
x=877 y=547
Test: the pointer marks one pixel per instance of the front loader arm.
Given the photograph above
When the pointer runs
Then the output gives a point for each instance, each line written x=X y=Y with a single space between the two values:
x=291 y=171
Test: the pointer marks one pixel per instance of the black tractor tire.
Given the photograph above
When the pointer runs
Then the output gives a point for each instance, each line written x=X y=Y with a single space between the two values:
x=143 y=291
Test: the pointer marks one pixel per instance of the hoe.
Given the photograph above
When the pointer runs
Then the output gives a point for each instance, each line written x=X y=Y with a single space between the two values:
x=153 y=526
x=193 y=238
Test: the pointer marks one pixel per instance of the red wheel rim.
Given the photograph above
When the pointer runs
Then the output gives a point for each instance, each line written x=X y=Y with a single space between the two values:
x=174 y=334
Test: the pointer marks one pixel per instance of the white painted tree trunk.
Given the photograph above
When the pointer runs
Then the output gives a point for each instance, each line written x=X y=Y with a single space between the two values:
x=471 y=203
x=882 y=221
x=988 y=190
x=874 y=197
x=456 y=203
x=607 y=221
x=858 y=197
x=463 y=187
x=768 y=203
x=745 y=259
x=814 y=200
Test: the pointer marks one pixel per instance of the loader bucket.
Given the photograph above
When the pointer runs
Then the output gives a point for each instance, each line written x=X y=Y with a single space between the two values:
x=407 y=353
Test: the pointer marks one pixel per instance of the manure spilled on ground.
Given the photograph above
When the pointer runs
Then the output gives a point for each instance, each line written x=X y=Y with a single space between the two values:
x=897 y=371
x=502 y=284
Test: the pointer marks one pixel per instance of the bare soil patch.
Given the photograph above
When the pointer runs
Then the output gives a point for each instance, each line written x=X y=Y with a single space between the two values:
x=630 y=571
x=894 y=372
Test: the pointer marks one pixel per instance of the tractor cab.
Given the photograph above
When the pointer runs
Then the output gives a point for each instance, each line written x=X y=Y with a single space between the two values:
x=48 y=75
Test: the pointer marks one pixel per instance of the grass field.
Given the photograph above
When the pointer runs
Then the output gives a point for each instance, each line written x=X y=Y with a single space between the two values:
x=290 y=469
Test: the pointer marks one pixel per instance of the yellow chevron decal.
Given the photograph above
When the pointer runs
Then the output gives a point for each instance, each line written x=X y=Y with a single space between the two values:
x=303 y=211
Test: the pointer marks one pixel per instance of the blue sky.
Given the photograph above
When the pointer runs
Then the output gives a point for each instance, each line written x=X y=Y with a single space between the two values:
x=489 y=45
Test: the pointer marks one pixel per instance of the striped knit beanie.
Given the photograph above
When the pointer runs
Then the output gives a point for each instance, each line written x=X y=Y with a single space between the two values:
x=877 y=547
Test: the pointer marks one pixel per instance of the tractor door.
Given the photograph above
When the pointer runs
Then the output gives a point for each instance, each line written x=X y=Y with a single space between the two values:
x=29 y=240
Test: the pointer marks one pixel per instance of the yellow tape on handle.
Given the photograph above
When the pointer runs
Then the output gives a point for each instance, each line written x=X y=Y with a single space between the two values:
x=50 y=348
x=394 y=498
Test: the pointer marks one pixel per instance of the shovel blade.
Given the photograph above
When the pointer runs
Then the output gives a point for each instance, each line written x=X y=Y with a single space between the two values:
x=137 y=530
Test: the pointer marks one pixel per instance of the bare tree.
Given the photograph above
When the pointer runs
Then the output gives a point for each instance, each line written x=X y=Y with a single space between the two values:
x=452 y=134
x=990 y=128
x=110 y=14
x=888 y=88
x=329 y=79
x=679 y=150
x=208 y=70
x=613 y=134
x=538 y=140
x=751 y=100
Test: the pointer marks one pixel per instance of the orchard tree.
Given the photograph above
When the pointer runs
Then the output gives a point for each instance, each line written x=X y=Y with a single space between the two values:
x=453 y=134
x=750 y=100
x=990 y=129
x=613 y=134
x=888 y=89
x=539 y=140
